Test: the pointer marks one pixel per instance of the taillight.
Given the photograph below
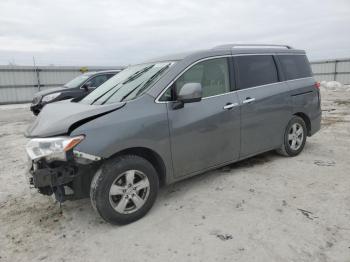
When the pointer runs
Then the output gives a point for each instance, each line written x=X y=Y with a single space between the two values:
x=318 y=85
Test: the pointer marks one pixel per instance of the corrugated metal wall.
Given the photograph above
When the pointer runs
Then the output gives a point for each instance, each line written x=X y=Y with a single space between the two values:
x=332 y=70
x=18 y=84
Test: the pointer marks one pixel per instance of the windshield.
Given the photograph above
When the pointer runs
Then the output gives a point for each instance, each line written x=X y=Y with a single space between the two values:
x=76 y=82
x=128 y=84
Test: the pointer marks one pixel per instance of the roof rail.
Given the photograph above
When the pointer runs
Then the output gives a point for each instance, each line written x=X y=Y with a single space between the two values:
x=250 y=45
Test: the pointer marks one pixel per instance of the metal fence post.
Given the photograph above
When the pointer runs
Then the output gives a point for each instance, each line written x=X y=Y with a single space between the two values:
x=36 y=70
x=335 y=69
x=38 y=77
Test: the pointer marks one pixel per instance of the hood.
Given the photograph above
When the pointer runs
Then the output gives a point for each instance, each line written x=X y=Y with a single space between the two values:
x=50 y=91
x=62 y=117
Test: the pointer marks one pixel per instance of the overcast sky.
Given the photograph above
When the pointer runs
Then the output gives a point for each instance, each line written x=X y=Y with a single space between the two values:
x=103 y=32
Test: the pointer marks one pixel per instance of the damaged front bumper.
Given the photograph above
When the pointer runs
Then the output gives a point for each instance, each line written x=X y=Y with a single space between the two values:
x=41 y=175
x=68 y=180
x=36 y=108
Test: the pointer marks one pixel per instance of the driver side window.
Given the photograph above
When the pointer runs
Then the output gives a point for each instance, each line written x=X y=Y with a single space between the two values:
x=98 y=80
x=213 y=74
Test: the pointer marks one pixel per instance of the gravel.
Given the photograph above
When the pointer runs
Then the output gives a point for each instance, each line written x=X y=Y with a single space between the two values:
x=266 y=208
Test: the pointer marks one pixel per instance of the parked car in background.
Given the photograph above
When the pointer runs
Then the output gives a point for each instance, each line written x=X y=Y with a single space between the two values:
x=76 y=88
x=165 y=120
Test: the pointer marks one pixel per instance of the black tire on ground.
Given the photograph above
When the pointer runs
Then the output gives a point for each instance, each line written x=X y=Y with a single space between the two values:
x=104 y=178
x=286 y=149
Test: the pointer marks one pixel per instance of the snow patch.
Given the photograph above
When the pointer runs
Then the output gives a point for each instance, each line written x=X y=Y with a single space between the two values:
x=334 y=86
x=14 y=106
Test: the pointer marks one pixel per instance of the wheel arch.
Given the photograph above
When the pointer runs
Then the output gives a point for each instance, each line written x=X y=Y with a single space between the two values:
x=307 y=121
x=150 y=155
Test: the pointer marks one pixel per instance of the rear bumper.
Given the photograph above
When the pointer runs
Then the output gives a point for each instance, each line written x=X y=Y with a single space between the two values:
x=316 y=123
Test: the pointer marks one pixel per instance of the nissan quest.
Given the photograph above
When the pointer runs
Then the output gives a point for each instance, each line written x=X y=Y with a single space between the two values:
x=171 y=118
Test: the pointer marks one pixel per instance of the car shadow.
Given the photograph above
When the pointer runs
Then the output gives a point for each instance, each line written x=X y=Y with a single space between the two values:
x=212 y=175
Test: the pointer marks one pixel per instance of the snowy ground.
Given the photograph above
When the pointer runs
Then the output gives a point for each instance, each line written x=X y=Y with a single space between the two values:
x=267 y=208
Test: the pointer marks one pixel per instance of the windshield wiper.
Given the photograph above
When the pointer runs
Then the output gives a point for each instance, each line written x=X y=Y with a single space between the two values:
x=137 y=74
x=129 y=79
x=125 y=96
x=150 y=80
x=146 y=83
x=96 y=99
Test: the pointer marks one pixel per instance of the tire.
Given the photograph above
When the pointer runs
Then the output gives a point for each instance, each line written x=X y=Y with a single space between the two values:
x=294 y=142
x=112 y=196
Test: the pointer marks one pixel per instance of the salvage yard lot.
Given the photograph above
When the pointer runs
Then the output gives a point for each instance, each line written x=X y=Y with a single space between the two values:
x=266 y=208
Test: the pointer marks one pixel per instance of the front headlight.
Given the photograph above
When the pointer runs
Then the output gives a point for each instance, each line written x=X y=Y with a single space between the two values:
x=52 y=148
x=50 y=97
x=36 y=100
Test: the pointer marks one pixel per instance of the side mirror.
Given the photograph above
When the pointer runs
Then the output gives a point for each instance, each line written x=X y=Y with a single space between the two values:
x=190 y=92
x=87 y=85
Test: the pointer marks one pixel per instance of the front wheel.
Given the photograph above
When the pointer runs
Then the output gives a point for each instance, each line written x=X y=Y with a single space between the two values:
x=294 y=137
x=124 y=189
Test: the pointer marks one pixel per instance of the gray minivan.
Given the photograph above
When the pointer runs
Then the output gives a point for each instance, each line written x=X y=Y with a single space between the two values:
x=171 y=118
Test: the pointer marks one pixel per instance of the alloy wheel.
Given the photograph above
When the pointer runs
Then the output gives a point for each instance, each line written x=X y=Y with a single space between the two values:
x=295 y=136
x=129 y=191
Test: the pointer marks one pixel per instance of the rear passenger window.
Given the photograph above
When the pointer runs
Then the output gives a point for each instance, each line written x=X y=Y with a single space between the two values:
x=295 y=66
x=256 y=70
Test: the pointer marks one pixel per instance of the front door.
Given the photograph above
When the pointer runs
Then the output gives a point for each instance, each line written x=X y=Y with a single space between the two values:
x=207 y=133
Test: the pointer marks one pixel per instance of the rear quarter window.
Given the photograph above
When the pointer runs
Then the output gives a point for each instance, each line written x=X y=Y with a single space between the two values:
x=256 y=70
x=295 y=66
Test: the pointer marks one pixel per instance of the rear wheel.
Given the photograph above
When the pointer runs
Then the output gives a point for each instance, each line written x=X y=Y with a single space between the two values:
x=294 y=137
x=124 y=189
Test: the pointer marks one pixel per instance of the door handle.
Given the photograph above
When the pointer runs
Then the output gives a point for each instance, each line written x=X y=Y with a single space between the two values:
x=230 y=105
x=248 y=100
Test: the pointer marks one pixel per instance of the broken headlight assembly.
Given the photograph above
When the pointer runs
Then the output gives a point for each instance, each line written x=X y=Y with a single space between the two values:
x=52 y=148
